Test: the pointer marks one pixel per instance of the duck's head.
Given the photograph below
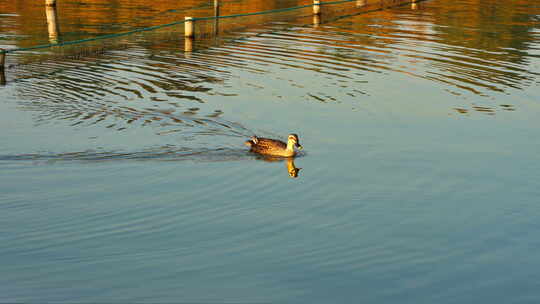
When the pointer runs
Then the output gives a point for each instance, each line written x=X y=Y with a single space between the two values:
x=293 y=138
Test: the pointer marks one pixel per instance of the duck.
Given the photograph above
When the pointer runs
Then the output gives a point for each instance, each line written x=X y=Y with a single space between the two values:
x=274 y=147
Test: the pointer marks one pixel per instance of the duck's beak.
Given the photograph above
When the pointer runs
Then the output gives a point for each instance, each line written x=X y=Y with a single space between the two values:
x=299 y=146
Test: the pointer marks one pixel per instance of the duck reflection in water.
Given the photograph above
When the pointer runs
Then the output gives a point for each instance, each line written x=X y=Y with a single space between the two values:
x=289 y=163
x=272 y=150
x=291 y=168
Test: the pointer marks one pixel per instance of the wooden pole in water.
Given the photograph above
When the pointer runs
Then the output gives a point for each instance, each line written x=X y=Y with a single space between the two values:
x=2 y=64
x=316 y=20
x=188 y=44
x=216 y=15
x=316 y=7
x=216 y=8
x=52 y=23
x=188 y=27
x=50 y=2
x=2 y=58
x=2 y=76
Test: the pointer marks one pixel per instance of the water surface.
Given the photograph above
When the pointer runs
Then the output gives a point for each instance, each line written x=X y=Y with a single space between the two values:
x=124 y=177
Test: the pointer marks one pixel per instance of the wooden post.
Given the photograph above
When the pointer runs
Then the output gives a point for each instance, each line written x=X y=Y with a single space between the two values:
x=188 y=27
x=216 y=15
x=316 y=7
x=52 y=24
x=2 y=76
x=188 y=44
x=316 y=20
x=50 y=3
x=216 y=8
x=2 y=58
x=2 y=64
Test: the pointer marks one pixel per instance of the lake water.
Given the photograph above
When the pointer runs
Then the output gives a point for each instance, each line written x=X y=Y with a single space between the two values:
x=124 y=178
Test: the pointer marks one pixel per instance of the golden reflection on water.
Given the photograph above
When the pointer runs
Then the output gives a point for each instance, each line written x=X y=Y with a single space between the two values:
x=96 y=17
x=481 y=50
x=188 y=46
x=360 y=3
x=473 y=50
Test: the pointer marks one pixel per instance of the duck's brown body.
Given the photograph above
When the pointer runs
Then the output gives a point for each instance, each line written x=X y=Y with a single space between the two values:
x=274 y=147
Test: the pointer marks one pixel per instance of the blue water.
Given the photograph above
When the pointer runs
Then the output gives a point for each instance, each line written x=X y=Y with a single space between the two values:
x=124 y=177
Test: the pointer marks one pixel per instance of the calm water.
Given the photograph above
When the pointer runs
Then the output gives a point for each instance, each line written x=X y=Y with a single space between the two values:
x=124 y=177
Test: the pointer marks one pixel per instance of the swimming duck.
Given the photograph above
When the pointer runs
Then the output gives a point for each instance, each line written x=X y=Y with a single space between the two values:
x=274 y=147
